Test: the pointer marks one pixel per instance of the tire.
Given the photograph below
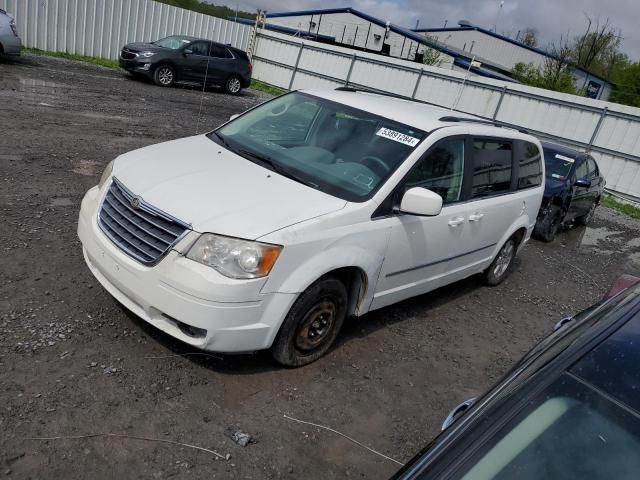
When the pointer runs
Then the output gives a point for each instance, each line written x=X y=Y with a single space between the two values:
x=312 y=324
x=501 y=266
x=547 y=227
x=233 y=85
x=586 y=219
x=164 y=76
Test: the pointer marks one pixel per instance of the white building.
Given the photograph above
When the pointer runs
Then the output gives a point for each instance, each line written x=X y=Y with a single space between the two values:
x=503 y=53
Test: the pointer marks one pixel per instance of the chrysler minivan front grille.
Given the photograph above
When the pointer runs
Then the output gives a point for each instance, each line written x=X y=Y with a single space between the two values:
x=140 y=230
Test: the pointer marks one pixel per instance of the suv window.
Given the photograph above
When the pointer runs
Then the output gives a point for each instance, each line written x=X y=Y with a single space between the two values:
x=199 y=48
x=491 y=166
x=218 y=51
x=582 y=170
x=440 y=170
x=529 y=166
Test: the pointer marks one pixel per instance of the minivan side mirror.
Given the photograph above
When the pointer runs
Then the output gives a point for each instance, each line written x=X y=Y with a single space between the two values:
x=234 y=116
x=583 y=182
x=422 y=202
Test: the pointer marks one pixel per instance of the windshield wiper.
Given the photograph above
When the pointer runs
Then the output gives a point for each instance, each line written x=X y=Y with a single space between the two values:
x=224 y=141
x=276 y=167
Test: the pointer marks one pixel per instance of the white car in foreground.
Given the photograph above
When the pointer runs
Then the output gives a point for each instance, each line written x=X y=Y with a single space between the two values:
x=315 y=206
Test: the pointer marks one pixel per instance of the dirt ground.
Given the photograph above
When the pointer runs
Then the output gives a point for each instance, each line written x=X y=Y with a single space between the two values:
x=74 y=362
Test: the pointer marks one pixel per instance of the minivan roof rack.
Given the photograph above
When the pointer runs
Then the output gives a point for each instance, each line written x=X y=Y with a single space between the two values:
x=377 y=92
x=453 y=118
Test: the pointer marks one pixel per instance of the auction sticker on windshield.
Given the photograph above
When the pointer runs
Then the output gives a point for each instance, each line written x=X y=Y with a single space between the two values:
x=398 y=137
x=566 y=159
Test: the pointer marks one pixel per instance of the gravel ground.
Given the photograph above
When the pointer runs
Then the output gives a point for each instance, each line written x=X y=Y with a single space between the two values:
x=74 y=362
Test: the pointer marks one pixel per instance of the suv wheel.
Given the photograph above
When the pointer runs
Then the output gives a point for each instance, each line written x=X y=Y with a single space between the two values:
x=586 y=219
x=312 y=324
x=501 y=265
x=233 y=85
x=547 y=227
x=165 y=76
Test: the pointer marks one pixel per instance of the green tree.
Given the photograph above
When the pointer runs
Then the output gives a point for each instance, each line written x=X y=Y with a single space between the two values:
x=221 y=11
x=627 y=85
x=555 y=74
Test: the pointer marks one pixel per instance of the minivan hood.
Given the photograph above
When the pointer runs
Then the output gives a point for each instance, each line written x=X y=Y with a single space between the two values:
x=553 y=186
x=215 y=190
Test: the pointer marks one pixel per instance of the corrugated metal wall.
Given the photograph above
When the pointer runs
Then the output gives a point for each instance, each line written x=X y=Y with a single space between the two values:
x=610 y=131
x=99 y=28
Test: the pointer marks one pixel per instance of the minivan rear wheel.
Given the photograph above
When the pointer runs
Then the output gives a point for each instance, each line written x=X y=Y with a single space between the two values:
x=502 y=264
x=312 y=324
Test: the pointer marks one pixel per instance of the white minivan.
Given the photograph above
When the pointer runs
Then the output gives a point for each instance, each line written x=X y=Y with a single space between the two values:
x=312 y=207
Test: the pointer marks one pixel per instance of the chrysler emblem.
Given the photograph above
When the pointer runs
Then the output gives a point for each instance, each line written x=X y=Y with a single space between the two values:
x=135 y=202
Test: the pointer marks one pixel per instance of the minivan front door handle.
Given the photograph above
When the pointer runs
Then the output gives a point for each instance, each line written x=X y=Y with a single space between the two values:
x=475 y=217
x=454 y=222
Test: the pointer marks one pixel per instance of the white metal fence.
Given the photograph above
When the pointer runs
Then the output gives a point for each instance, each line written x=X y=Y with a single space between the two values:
x=100 y=28
x=610 y=131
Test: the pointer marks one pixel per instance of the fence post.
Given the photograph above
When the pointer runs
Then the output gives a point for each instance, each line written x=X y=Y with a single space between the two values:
x=415 y=89
x=295 y=67
x=502 y=92
x=597 y=129
x=353 y=61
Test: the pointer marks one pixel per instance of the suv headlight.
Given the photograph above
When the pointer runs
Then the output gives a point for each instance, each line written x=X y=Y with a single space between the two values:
x=233 y=257
x=106 y=174
x=147 y=54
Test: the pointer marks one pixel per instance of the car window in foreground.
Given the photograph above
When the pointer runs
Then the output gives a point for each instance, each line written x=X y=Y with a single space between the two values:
x=557 y=164
x=173 y=43
x=335 y=148
x=569 y=430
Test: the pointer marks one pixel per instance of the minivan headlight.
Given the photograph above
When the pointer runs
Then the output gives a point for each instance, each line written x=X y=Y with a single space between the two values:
x=106 y=174
x=233 y=257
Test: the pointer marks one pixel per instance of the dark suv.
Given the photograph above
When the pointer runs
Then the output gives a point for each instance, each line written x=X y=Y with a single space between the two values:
x=188 y=59
x=573 y=189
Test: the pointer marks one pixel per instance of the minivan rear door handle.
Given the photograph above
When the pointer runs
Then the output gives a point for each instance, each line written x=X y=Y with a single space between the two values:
x=455 y=221
x=474 y=217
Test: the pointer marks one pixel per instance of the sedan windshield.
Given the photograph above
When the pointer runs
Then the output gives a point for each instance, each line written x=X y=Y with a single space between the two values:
x=558 y=165
x=173 y=43
x=326 y=145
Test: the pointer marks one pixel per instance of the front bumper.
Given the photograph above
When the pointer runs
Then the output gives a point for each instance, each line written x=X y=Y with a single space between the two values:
x=189 y=301
x=11 y=44
x=137 y=65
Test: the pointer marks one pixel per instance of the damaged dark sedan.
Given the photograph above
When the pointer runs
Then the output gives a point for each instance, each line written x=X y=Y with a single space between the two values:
x=573 y=189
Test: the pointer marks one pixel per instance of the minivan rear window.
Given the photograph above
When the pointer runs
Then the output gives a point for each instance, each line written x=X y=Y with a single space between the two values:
x=491 y=167
x=529 y=166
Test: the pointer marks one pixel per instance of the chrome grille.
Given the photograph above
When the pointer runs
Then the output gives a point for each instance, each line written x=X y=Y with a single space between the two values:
x=140 y=230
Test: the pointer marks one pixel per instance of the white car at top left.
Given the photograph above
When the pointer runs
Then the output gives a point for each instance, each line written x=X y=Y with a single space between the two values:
x=10 y=43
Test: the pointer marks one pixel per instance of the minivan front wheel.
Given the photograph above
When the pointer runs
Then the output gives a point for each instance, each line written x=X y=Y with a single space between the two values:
x=501 y=265
x=312 y=324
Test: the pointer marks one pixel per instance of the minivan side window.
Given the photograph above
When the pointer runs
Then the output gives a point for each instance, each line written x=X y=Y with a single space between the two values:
x=440 y=170
x=529 y=166
x=491 y=167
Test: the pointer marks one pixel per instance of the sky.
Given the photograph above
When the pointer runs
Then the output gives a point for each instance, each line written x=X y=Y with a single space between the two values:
x=551 y=18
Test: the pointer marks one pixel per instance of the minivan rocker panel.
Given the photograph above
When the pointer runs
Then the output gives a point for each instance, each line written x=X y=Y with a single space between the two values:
x=338 y=257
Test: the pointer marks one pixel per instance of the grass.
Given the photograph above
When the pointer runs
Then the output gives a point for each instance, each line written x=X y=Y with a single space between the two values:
x=104 y=62
x=625 y=208
x=263 y=87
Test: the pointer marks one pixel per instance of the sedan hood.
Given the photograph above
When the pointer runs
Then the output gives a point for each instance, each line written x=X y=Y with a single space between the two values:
x=215 y=190
x=553 y=186
x=143 y=47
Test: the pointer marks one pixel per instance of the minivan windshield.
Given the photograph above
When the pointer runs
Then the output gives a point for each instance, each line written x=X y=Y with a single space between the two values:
x=173 y=43
x=558 y=165
x=340 y=150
